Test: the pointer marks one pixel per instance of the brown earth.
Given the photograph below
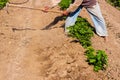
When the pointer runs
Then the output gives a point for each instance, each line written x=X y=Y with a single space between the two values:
x=30 y=53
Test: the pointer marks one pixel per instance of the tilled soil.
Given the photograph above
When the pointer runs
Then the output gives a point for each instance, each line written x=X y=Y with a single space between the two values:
x=29 y=53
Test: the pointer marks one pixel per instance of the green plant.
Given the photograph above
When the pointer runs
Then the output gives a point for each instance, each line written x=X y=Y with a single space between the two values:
x=97 y=58
x=83 y=31
x=3 y=3
x=115 y=3
x=64 y=4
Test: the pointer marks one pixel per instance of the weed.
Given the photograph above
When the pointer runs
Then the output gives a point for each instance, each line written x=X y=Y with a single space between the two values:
x=3 y=3
x=64 y=4
x=115 y=3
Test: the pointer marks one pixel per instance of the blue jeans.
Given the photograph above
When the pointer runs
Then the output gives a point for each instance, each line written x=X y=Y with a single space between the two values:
x=96 y=16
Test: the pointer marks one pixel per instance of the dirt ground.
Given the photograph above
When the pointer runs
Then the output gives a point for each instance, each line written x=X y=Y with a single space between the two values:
x=29 y=53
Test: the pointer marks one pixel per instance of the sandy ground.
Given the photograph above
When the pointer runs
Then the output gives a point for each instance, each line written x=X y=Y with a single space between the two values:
x=30 y=53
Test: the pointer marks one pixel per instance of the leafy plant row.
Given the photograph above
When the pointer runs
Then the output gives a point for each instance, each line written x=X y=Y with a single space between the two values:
x=3 y=3
x=83 y=32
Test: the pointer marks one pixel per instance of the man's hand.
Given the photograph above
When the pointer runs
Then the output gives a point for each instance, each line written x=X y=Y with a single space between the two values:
x=46 y=8
x=65 y=12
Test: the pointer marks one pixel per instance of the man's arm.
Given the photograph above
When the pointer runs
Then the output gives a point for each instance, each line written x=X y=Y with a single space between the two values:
x=71 y=8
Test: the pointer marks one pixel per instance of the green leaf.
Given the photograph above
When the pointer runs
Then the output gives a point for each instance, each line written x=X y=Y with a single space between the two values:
x=97 y=68
x=92 y=61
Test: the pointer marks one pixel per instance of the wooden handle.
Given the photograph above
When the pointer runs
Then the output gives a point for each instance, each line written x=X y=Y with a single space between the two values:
x=19 y=6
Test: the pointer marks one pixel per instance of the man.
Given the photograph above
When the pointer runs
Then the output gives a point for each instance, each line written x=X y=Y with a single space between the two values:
x=94 y=11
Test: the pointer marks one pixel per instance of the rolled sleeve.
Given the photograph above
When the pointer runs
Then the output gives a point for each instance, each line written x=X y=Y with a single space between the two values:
x=74 y=6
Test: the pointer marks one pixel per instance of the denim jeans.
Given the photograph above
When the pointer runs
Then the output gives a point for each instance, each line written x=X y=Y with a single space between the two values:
x=96 y=16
